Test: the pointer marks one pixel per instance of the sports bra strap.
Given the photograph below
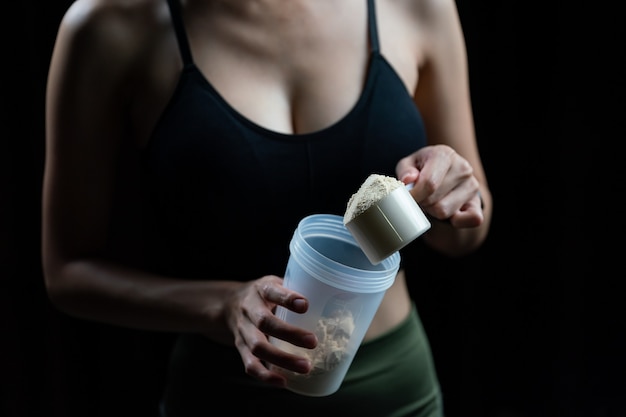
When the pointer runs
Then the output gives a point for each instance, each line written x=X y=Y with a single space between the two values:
x=181 y=35
x=373 y=30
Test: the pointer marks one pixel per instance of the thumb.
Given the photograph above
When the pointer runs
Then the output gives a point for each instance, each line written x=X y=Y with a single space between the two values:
x=406 y=170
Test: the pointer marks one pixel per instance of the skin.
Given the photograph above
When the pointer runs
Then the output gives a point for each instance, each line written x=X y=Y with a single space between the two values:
x=114 y=67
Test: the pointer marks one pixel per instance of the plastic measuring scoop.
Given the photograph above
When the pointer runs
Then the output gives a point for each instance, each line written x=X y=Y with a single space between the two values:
x=388 y=225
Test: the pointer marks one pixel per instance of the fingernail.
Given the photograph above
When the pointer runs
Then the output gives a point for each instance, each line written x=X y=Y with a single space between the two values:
x=304 y=365
x=310 y=340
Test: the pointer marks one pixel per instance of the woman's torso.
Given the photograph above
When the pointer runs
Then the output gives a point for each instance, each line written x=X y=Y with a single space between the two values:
x=282 y=110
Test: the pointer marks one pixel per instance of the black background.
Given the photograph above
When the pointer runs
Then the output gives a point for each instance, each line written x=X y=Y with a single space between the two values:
x=530 y=326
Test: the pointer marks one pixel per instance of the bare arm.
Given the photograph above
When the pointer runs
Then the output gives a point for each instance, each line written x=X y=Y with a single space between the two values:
x=454 y=188
x=87 y=133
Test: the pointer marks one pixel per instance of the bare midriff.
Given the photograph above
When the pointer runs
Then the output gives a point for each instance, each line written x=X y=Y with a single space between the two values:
x=393 y=309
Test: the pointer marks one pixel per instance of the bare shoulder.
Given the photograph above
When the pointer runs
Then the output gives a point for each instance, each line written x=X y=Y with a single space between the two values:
x=104 y=60
x=109 y=31
x=438 y=25
x=431 y=13
x=428 y=29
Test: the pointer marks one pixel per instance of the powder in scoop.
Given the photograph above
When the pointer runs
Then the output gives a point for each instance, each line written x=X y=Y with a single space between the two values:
x=374 y=188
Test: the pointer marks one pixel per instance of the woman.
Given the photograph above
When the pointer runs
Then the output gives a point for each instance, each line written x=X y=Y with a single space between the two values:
x=187 y=138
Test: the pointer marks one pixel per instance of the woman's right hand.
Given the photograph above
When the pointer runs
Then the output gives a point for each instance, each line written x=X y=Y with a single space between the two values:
x=249 y=314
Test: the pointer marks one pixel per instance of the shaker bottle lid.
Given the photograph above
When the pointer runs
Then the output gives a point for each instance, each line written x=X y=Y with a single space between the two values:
x=383 y=217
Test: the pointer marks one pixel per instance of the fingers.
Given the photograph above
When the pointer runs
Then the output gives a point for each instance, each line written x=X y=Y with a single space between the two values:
x=259 y=351
x=470 y=215
x=444 y=202
x=267 y=323
x=270 y=288
x=444 y=185
x=406 y=169
x=430 y=169
x=253 y=323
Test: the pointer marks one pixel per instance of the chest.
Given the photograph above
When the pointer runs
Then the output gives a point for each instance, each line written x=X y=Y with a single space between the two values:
x=293 y=72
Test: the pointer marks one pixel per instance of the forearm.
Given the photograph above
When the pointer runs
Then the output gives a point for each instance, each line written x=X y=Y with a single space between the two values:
x=100 y=291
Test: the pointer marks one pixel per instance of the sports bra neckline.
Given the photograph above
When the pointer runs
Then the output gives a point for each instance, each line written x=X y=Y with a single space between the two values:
x=190 y=67
x=251 y=124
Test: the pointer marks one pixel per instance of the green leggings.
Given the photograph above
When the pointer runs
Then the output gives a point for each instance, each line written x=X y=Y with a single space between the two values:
x=392 y=375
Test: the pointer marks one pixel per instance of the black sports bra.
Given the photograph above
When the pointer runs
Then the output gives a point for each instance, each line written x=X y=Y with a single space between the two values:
x=226 y=194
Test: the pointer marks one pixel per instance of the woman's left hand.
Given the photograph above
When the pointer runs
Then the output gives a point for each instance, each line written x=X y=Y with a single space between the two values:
x=444 y=185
